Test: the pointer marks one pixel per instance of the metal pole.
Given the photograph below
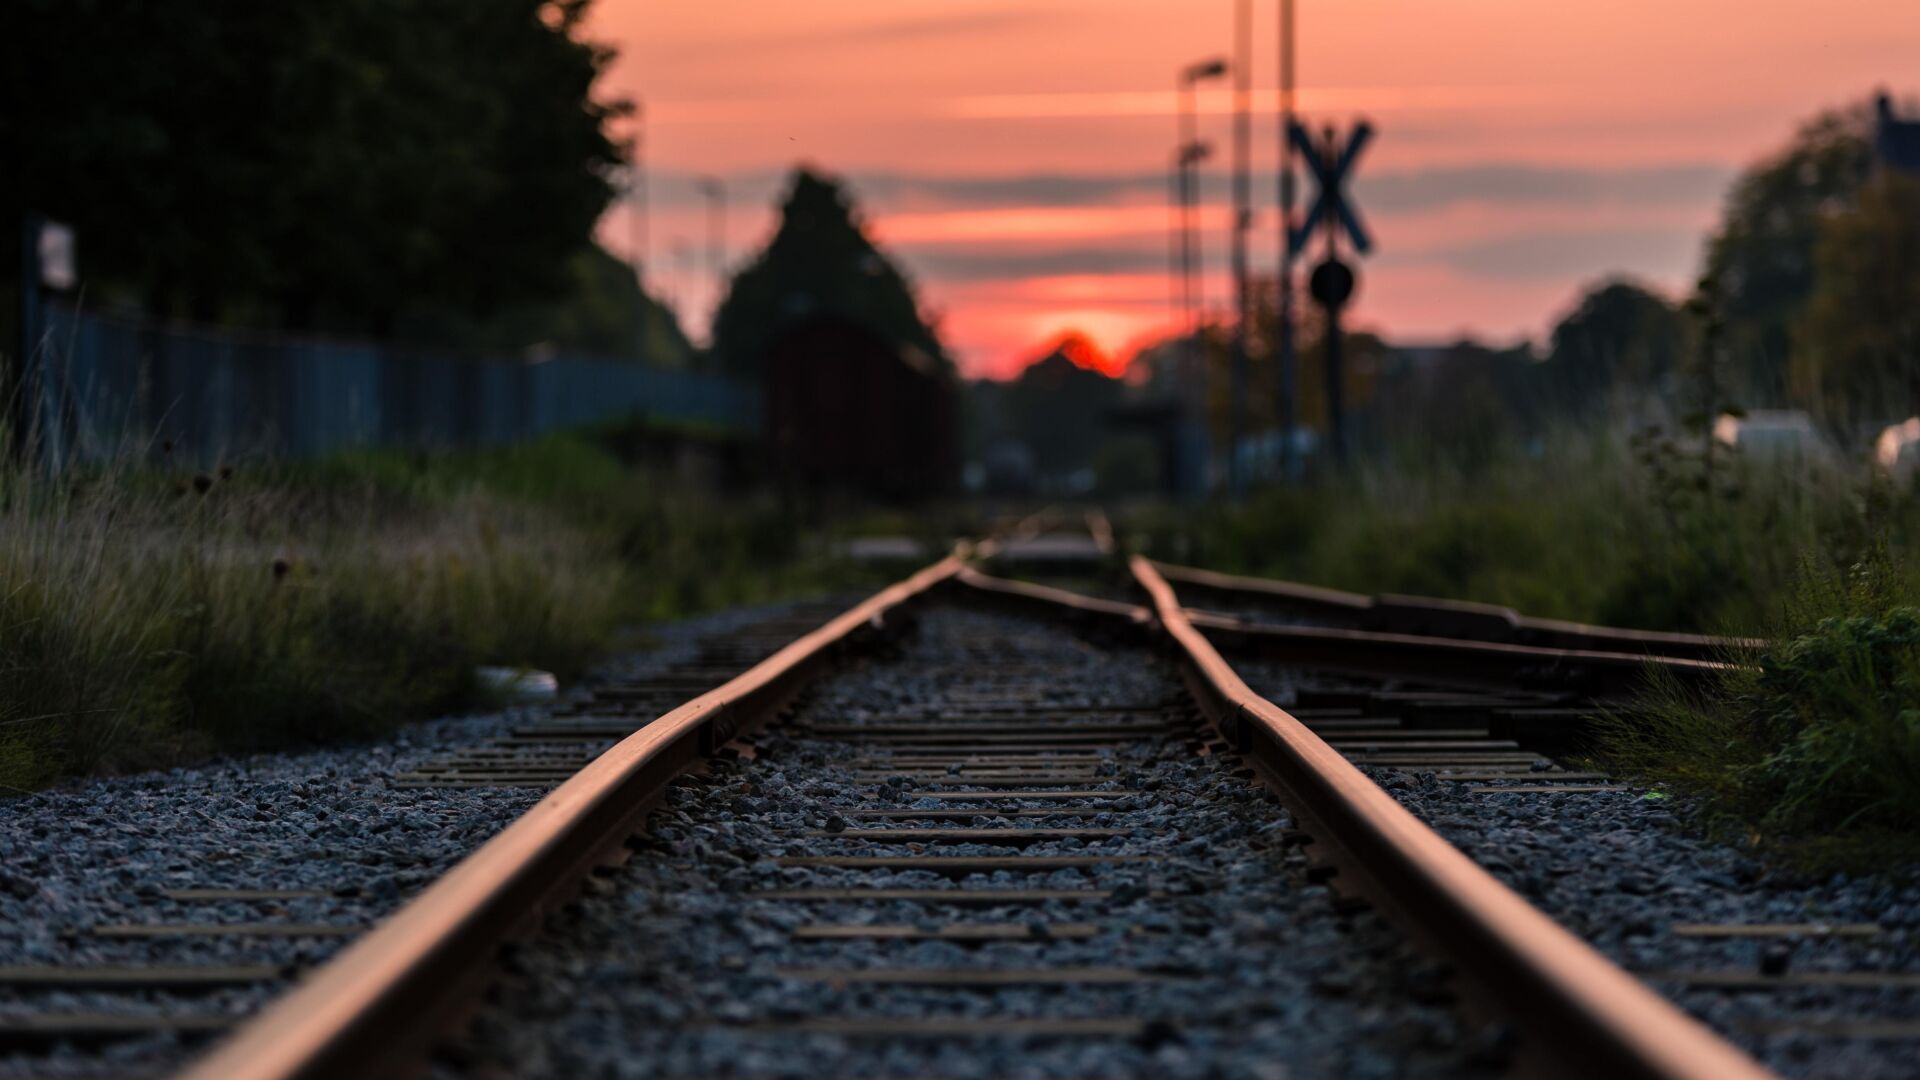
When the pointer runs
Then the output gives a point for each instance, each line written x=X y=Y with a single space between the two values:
x=1176 y=271
x=1289 y=379
x=1190 y=292
x=1196 y=258
x=1189 y=168
x=1242 y=215
x=1336 y=386
x=1193 y=271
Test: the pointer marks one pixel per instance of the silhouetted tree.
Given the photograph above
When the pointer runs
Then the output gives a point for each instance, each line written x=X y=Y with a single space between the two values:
x=819 y=262
x=1059 y=408
x=601 y=310
x=1857 y=350
x=1620 y=337
x=327 y=163
x=1763 y=254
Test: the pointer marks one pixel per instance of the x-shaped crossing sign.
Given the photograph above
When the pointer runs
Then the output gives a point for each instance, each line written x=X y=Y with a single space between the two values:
x=1331 y=164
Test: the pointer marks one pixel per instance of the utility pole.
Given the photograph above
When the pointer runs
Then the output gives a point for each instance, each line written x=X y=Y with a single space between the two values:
x=1288 y=358
x=1334 y=288
x=1242 y=218
x=1188 y=155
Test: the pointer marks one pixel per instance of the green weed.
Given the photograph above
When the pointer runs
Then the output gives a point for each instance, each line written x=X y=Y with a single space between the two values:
x=151 y=615
x=1810 y=746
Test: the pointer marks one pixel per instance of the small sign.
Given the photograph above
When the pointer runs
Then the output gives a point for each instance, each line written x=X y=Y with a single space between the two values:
x=57 y=267
x=1331 y=283
x=1331 y=165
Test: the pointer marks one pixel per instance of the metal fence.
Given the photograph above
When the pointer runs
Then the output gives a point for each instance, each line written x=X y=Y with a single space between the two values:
x=99 y=382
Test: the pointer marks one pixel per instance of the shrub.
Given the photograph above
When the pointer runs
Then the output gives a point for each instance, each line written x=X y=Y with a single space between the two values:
x=1810 y=745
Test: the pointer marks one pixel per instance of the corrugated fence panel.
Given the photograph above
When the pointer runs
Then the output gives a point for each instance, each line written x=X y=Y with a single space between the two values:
x=106 y=382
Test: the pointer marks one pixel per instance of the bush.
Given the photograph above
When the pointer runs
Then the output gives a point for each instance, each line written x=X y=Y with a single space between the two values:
x=1583 y=529
x=1811 y=745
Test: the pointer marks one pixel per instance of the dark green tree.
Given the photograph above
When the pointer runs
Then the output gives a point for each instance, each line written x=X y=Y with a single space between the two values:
x=1061 y=409
x=1763 y=254
x=819 y=263
x=1620 y=337
x=1856 y=360
x=322 y=163
x=601 y=310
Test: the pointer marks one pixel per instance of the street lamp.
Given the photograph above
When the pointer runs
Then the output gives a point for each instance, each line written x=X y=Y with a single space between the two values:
x=1189 y=152
x=1192 y=156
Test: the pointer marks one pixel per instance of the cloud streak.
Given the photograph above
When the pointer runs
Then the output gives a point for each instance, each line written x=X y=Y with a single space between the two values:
x=881 y=192
x=1496 y=245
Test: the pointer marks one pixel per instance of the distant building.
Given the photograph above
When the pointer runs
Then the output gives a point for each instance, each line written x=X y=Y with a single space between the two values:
x=1895 y=141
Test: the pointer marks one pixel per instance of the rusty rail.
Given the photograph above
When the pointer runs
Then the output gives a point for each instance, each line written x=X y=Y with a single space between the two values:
x=1422 y=615
x=389 y=993
x=1031 y=596
x=1582 y=1015
x=1453 y=659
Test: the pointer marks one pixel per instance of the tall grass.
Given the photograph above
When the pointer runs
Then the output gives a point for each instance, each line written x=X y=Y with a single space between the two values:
x=687 y=546
x=148 y=618
x=151 y=614
x=1809 y=748
x=1584 y=527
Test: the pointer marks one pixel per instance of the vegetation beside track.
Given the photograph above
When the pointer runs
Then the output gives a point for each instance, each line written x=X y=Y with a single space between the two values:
x=1640 y=534
x=1816 y=755
x=152 y=614
x=1810 y=748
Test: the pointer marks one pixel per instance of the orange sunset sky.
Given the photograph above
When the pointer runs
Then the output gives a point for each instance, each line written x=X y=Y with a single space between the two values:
x=1013 y=155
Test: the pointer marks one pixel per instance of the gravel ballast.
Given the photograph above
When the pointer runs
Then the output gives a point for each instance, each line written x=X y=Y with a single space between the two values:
x=1622 y=869
x=674 y=966
x=89 y=857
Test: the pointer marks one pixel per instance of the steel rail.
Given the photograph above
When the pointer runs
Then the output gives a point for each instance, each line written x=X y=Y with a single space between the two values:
x=390 y=992
x=1457 y=659
x=1456 y=618
x=1027 y=594
x=1332 y=601
x=1581 y=1015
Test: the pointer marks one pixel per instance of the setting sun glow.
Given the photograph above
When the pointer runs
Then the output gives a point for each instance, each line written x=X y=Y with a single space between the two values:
x=1014 y=157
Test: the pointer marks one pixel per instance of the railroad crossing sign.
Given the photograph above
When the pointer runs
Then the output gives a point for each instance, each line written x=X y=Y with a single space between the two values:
x=1332 y=281
x=1331 y=165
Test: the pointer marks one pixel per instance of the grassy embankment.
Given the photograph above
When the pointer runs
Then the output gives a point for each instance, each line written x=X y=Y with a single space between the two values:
x=1810 y=749
x=151 y=615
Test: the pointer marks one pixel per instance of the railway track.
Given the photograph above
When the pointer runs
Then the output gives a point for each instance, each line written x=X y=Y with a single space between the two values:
x=924 y=839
